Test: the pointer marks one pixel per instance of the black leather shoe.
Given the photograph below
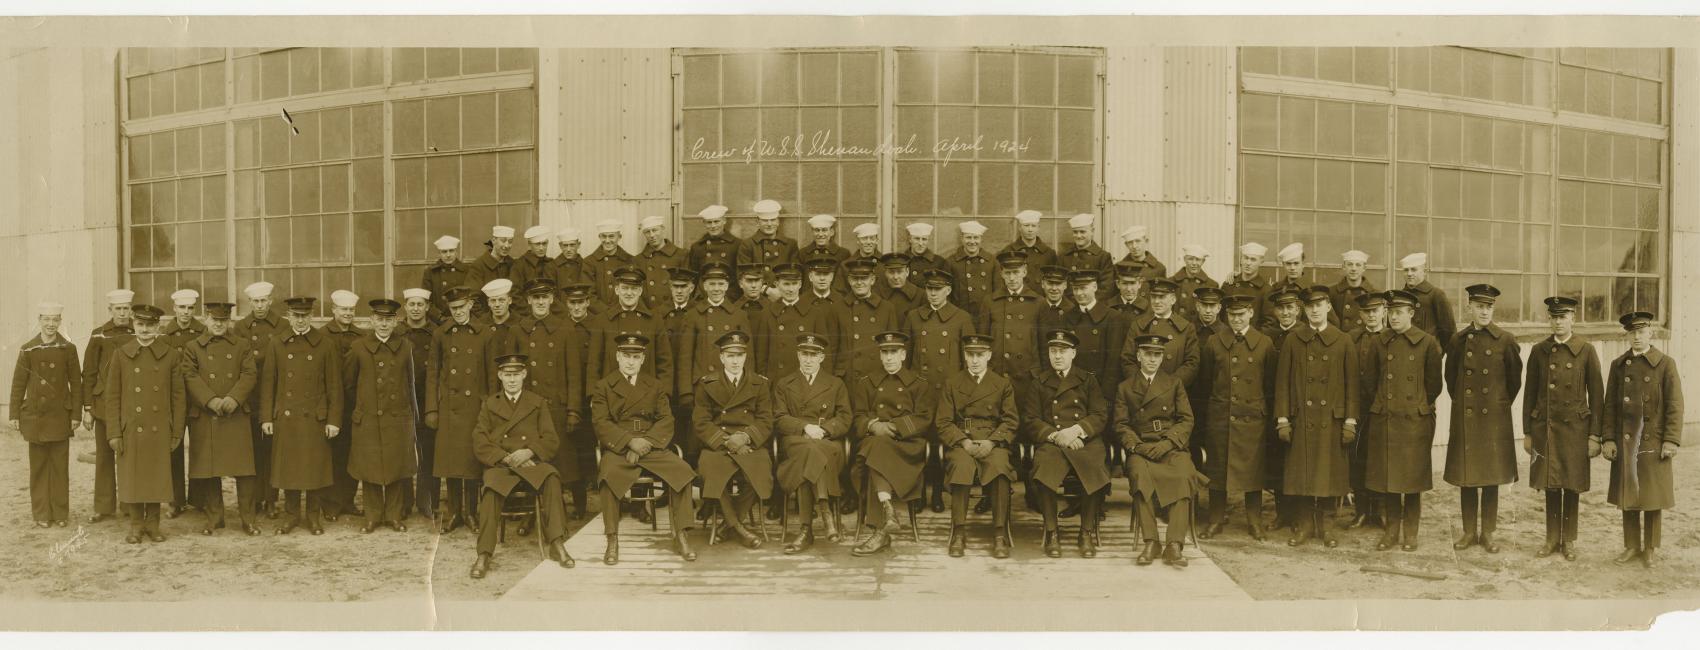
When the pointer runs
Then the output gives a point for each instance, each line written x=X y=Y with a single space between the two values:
x=1173 y=556
x=1070 y=510
x=611 y=554
x=480 y=566
x=132 y=538
x=524 y=527
x=43 y=524
x=1256 y=532
x=398 y=527
x=332 y=518
x=1548 y=548
x=748 y=539
x=774 y=510
x=1464 y=541
x=558 y=552
x=449 y=525
x=831 y=522
x=958 y=541
x=60 y=523
x=1389 y=539
x=1327 y=537
x=1053 y=548
x=1148 y=554
x=287 y=526
x=804 y=540
x=891 y=525
x=367 y=528
x=1628 y=555
x=682 y=546
x=472 y=525
x=207 y=531
x=97 y=518
x=938 y=501
x=1000 y=546
x=1569 y=550
x=171 y=511
x=1649 y=558
x=983 y=507
x=251 y=530
x=155 y=537
x=1486 y=540
x=315 y=528
x=846 y=506
x=1088 y=543
x=875 y=543
x=1212 y=530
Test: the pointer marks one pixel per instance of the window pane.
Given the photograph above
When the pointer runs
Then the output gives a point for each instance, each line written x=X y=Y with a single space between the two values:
x=212 y=198
x=477 y=60
x=442 y=180
x=303 y=71
x=702 y=81
x=1413 y=188
x=1333 y=236
x=1076 y=139
x=1334 y=64
x=304 y=191
x=914 y=188
x=1258 y=121
x=409 y=185
x=1298 y=62
x=820 y=187
x=164 y=202
x=189 y=200
x=518 y=115
x=304 y=146
x=779 y=78
x=369 y=130
x=1298 y=125
x=1078 y=79
x=995 y=189
x=738 y=73
x=1371 y=68
x=1413 y=135
x=997 y=134
x=861 y=188
x=1038 y=79
x=1478 y=244
x=1444 y=131
x=442 y=124
x=1334 y=128
x=1258 y=180
x=997 y=78
x=1075 y=189
x=442 y=62
x=517 y=170
x=1333 y=187
x=1036 y=188
x=1297 y=182
x=779 y=182
x=479 y=178
x=1369 y=129
x=739 y=186
x=213 y=247
x=1369 y=191
x=956 y=77
x=1413 y=67
x=1446 y=192
x=367 y=237
x=820 y=78
x=413 y=234
x=1478 y=195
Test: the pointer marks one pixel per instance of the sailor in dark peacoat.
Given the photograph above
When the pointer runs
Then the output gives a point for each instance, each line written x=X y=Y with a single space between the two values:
x=733 y=419
x=383 y=453
x=457 y=378
x=301 y=398
x=1237 y=370
x=103 y=342
x=894 y=419
x=1408 y=371
x=46 y=403
x=144 y=405
x=1316 y=415
x=811 y=411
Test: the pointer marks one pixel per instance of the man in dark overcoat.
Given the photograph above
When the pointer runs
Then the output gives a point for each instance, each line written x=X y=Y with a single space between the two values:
x=220 y=376
x=104 y=341
x=383 y=454
x=1642 y=430
x=935 y=329
x=417 y=327
x=300 y=404
x=733 y=420
x=812 y=418
x=603 y=263
x=145 y=407
x=515 y=440
x=628 y=316
x=447 y=272
x=1154 y=420
x=1316 y=415
x=1064 y=414
x=1434 y=308
x=553 y=372
x=976 y=422
x=457 y=379
x=894 y=419
x=46 y=402
x=262 y=324
x=634 y=426
x=1562 y=407
x=1370 y=313
x=1237 y=367
x=1397 y=464
x=1484 y=370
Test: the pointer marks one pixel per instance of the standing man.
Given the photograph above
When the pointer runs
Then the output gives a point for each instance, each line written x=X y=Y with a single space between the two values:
x=1642 y=432
x=703 y=324
x=1286 y=306
x=1434 y=310
x=46 y=403
x=976 y=273
x=869 y=315
x=456 y=380
x=717 y=244
x=1237 y=376
x=812 y=417
x=495 y=263
x=1371 y=310
x=1054 y=302
x=447 y=272
x=921 y=256
x=340 y=498
x=1292 y=279
x=1248 y=280
x=1064 y=414
x=751 y=296
x=1154 y=422
x=220 y=375
x=893 y=413
x=1351 y=285
x=867 y=241
x=145 y=405
x=535 y=263
x=976 y=422
x=1207 y=304
x=1130 y=278
x=418 y=330
x=606 y=260
x=500 y=319
x=301 y=397
x=1192 y=277
x=1408 y=373
x=733 y=419
x=1561 y=422
x=1181 y=357
x=1136 y=239
x=1102 y=331
x=1316 y=415
x=179 y=330
x=1484 y=370
x=659 y=254
x=897 y=289
x=515 y=440
x=1039 y=254
x=682 y=285
x=822 y=246
x=582 y=439
x=569 y=268
x=628 y=316
x=261 y=326
x=791 y=315
x=1012 y=319
x=103 y=342
x=767 y=245
x=935 y=332
x=1084 y=254
x=382 y=451
x=634 y=425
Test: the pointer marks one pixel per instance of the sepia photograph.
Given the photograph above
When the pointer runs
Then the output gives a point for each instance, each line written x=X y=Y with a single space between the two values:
x=835 y=323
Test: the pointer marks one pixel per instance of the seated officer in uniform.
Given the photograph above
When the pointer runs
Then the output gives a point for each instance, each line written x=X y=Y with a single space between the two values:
x=812 y=416
x=634 y=425
x=733 y=418
x=893 y=414
x=1154 y=421
x=515 y=440
x=976 y=424
x=1065 y=414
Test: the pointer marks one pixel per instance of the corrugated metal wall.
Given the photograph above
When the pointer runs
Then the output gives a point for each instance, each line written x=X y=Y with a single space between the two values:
x=614 y=119
x=58 y=191
x=1170 y=150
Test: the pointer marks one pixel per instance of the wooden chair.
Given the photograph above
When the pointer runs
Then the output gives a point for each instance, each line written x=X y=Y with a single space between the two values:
x=522 y=504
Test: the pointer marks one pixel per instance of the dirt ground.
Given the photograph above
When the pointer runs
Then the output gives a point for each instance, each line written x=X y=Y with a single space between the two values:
x=91 y=563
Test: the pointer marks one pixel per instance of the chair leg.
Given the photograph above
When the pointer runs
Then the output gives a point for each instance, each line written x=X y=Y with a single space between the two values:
x=713 y=522
x=649 y=506
x=914 y=531
x=785 y=516
x=542 y=545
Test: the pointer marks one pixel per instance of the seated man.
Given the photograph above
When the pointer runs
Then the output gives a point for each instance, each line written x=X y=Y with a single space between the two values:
x=1066 y=413
x=812 y=414
x=733 y=418
x=1155 y=423
x=515 y=440
x=634 y=425
x=893 y=411
x=976 y=424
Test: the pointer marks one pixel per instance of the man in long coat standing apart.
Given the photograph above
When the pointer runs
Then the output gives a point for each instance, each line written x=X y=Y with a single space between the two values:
x=1484 y=370
x=1397 y=464
x=145 y=408
x=46 y=400
x=1154 y=422
x=382 y=453
x=456 y=381
x=1642 y=431
x=515 y=440
x=220 y=375
x=300 y=405
x=976 y=422
x=1238 y=369
x=1065 y=414
x=1561 y=422
x=1316 y=414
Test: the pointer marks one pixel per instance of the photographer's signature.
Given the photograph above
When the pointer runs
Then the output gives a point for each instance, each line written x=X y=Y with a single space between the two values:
x=58 y=552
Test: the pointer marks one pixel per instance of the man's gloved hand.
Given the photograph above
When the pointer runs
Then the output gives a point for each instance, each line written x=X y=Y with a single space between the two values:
x=1284 y=432
x=117 y=445
x=1667 y=451
x=1349 y=433
x=1609 y=450
x=640 y=445
x=1593 y=447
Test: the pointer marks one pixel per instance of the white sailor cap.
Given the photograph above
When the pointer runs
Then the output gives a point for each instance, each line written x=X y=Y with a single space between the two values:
x=1292 y=253
x=537 y=234
x=409 y=294
x=344 y=298
x=1082 y=220
x=766 y=209
x=713 y=212
x=866 y=230
x=1195 y=250
x=501 y=231
x=651 y=222
x=1028 y=216
x=607 y=226
x=262 y=289
x=972 y=228
x=1355 y=256
x=120 y=297
x=919 y=229
x=447 y=242
x=498 y=287
x=1133 y=232
x=1414 y=260
x=822 y=221
x=50 y=309
x=1253 y=249
x=185 y=297
x=567 y=235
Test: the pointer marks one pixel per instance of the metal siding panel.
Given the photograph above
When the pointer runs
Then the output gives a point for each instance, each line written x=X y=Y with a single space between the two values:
x=1133 y=124
x=1683 y=309
x=34 y=146
x=646 y=114
x=10 y=140
x=1158 y=217
x=1198 y=124
x=99 y=202
x=590 y=129
x=1212 y=226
